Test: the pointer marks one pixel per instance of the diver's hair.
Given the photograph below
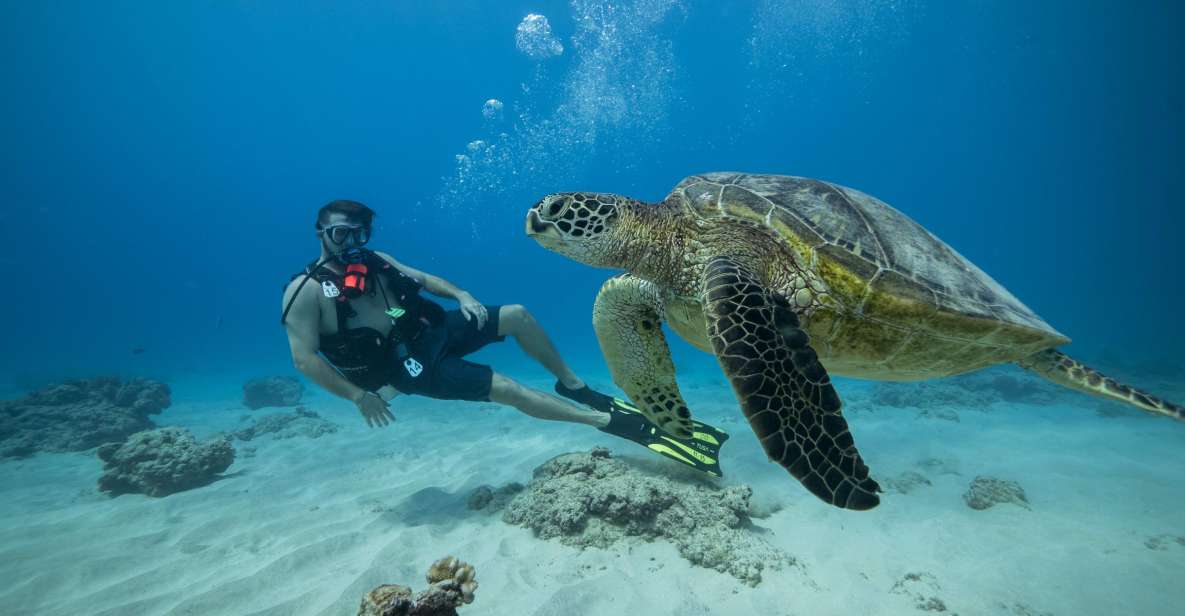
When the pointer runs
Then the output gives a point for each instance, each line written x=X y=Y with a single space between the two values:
x=353 y=210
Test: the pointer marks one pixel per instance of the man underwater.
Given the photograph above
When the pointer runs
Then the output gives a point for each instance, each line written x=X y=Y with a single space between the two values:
x=363 y=332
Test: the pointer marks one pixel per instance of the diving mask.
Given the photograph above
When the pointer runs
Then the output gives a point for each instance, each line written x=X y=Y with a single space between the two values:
x=339 y=234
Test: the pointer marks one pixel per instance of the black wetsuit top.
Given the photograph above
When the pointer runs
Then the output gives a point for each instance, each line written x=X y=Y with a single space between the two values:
x=364 y=355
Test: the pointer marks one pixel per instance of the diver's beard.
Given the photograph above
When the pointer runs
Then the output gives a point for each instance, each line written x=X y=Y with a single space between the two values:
x=339 y=254
x=352 y=254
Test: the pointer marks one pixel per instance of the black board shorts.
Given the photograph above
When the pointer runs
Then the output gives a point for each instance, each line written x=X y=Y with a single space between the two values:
x=438 y=368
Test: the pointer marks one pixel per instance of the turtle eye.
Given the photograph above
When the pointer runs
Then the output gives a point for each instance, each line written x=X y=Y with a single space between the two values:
x=554 y=208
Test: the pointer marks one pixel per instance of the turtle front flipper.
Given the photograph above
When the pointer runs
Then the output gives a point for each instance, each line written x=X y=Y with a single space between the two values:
x=1069 y=372
x=784 y=391
x=628 y=321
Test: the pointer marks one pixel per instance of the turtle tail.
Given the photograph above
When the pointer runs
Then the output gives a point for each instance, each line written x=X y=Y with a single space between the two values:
x=1068 y=372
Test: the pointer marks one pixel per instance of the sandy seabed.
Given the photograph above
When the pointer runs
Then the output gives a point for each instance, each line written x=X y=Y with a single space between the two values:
x=307 y=526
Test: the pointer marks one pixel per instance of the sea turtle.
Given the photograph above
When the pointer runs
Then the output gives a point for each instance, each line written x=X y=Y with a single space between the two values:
x=785 y=280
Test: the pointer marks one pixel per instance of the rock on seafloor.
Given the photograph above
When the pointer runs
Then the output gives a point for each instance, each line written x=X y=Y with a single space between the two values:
x=78 y=415
x=162 y=462
x=272 y=391
x=299 y=423
x=591 y=499
x=985 y=492
x=451 y=584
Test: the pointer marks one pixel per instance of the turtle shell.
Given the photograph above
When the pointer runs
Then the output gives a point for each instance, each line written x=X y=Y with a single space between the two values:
x=883 y=252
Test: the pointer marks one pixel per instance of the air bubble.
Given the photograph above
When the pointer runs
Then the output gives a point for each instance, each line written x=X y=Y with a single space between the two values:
x=535 y=39
x=492 y=109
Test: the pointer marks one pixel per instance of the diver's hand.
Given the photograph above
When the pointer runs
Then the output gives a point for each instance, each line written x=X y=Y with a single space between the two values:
x=472 y=308
x=374 y=409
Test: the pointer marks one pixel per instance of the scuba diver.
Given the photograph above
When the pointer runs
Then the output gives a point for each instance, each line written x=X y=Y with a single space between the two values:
x=358 y=327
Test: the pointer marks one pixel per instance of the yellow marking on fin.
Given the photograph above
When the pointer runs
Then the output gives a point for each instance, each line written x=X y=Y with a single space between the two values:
x=703 y=436
x=691 y=452
x=626 y=405
x=660 y=448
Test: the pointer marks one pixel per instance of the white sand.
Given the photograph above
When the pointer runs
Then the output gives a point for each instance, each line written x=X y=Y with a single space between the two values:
x=308 y=526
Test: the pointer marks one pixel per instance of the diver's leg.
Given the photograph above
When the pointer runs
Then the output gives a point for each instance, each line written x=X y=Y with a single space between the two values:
x=541 y=405
x=515 y=321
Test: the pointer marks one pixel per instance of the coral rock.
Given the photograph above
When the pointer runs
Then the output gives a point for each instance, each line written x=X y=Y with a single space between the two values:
x=300 y=422
x=78 y=415
x=451 y=585
x=453 y=576
x=591 y=499
x=162 y=462
x=272 y=391
x=988 y=491
x=386 y=600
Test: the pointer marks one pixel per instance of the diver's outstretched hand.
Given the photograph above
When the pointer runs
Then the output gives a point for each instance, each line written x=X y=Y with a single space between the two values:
x=473 y=309
x=374 y=409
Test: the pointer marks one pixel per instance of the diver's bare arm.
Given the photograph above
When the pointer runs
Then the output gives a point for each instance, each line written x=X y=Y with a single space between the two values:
x=432 y=284
x=304 y=341
x=320 y=372
x=443 y=288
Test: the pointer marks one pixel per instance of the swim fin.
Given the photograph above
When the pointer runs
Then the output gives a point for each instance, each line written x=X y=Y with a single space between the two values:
x=701 y=451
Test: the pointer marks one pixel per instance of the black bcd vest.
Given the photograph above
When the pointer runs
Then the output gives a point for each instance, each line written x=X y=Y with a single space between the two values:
x=364 y=355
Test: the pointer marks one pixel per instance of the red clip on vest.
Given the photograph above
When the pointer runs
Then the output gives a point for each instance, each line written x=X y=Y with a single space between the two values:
x=354 y=282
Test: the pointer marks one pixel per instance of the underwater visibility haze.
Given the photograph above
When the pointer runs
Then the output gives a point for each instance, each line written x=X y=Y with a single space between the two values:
x=593 y=307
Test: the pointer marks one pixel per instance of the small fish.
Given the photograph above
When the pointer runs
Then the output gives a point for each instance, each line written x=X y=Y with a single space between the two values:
x=218 y=323
x=138 y=350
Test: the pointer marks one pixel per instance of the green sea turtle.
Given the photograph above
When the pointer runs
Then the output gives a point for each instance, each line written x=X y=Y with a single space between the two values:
x=785 y=280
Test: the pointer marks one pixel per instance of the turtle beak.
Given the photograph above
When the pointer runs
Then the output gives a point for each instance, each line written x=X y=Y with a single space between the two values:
x=536 y=226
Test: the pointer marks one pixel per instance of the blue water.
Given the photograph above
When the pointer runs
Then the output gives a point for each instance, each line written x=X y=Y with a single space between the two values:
x=164 y=162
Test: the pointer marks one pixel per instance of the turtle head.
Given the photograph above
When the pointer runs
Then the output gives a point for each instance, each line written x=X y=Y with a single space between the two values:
x=580 y=225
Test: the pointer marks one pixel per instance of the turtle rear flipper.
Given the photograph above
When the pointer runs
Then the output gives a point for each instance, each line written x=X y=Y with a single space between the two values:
x=784 y=391
x=1069 y=372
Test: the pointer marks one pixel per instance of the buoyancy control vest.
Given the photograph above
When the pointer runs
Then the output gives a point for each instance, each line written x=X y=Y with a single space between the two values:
x=362 y=354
